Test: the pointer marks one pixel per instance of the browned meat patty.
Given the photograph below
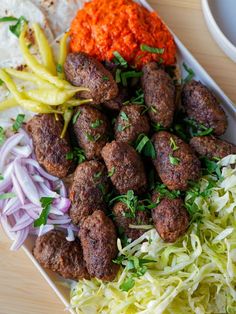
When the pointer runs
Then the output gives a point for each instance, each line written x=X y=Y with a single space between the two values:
x=171 y=219
x=50 y=148
x=87 y=191
x=54 y=252
x=126 y=167
x=210 y=146
x=175 y=161
x=130 y=123
x=98 y=239
x=117 y=103
x=83 y=70
x=202 y=106
x=91 y=130
x=159 y=94
x=122 y=222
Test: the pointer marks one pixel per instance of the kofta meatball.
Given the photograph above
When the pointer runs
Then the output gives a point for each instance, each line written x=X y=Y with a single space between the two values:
x=55 y=253
x=91 y=130
x=50 y=148
x=84 y=70
x=126 y=167
x=130 y=123
x=202 y=106
x=210 y=146
x=87 y=191
x=159 y=94
x=99 y=242
x=123 y=222
x=171 y=219
x=175 y=161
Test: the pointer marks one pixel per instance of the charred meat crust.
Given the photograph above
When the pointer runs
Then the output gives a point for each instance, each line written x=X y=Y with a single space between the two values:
x=99 y=242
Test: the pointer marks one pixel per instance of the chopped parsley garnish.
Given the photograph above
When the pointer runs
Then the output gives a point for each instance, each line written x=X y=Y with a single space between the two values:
x=173 y=145
x=190 y=75
x=46 y=203
x=96 y=124
x=174 y=160
x=153 y=109
x=93 y=138
x=77 y=155
x=101 y=187
x=211 y=167
x=59 y=68
x=8 y=19
x=105 y=78
x=2 y=135
x=76 y=116
x=124 y=116
x=18 y=122
x=152 y=49
x=1 y=177
x=129 y=74
x=118 y=76
x=138 y=98
x=121 y=128
x=144 y=145
x=197 y=129
x=112 y=172
x=136 y=266
x=97 y=175
x=1 y=82
x=17 y=28
x=158 y=127
x=119 y=59
x=163 y=191
x=5 y=196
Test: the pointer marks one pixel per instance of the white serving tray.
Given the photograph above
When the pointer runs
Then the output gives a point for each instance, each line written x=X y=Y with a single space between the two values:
x=57 y=283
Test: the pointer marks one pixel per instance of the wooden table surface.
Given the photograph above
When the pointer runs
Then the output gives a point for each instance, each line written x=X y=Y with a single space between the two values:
x=22 y=289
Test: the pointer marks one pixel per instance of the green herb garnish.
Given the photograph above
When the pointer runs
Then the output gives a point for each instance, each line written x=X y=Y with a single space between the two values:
x=163 y=191
x=105 y=78
x=97 y=175
x=152 y=49
x=173 y=145
x=174 y=160
x=96 y=124
x=17 y=28
x=197 y=129
x=127 y=284
x=124 y=116
x=2 y=135
x=118 y=76
x=1 y=177
x=76 y=116
x=18 y=122
x=8 y=19
x=190 y=75
x=119 y=59
x=93 y=138
x=5 y=196
x=211 y=167
x=121 y=128
x=77 y=155
x=59 y=68
x=129 y=74
x=111 y=172
x=158 y=127
x=144 y=145
x=46 y=203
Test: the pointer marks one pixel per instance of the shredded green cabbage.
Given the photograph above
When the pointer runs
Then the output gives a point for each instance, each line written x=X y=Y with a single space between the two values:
x=197 y=274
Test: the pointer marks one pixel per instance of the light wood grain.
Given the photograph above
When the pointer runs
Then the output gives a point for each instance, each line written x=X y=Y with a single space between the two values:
x=22 y=289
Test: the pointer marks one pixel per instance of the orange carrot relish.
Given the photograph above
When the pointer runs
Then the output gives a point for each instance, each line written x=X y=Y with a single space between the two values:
x=105 y=26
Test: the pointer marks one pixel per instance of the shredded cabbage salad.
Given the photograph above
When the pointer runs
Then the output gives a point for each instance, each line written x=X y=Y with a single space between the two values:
x=197 y=274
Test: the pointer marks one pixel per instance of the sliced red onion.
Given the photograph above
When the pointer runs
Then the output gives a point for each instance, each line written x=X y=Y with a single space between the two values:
x=62 y=204
x=70 y=237
x=10 y=206
x=10 y=143
x=21 y=236
x=17 y=189
x=45 y=191
x=25 y=221
x=26 y=183
x=43 y=173
x=44 y=229
x=37 y=178
x=59 y=221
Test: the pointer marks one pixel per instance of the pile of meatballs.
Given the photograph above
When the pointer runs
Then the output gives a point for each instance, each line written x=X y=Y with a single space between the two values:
x=113 y=164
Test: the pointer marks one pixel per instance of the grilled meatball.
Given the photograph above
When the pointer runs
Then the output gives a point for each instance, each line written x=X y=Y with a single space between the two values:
x=130 y=123
x=83 y=70
x=171 y=219
x=126 y=167
x=117 y=103
x=50 y=148
x=98 y=239
x=175 y=161
x=122 y=222
x=202 y=106
x=210 y=146
x=54 y=252
x=91 y=130
x=159 y=94
x=87 y=191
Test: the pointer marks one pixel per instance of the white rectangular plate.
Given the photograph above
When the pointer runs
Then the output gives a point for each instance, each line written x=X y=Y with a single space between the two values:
x=58 y=284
